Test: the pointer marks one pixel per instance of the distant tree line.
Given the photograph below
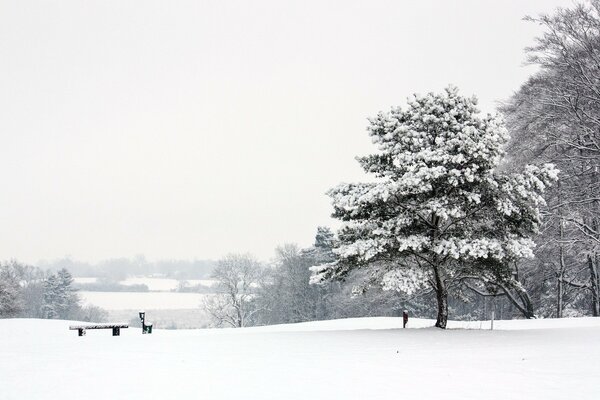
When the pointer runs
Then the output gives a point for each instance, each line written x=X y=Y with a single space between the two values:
x=554 y=117
x=30 y=292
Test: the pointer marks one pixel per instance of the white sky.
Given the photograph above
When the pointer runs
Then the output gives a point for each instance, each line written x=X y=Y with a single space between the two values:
x=190 y=129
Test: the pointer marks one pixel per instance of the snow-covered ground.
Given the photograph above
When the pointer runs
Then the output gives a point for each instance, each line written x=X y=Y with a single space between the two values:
x=347 y=359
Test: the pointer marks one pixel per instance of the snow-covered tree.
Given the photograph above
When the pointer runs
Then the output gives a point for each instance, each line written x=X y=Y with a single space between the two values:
x=439 y=210
x=287 y=296
x=49 y=305
x=238 y=276
x=59 y=298
x=554 y=117
x=10 y=301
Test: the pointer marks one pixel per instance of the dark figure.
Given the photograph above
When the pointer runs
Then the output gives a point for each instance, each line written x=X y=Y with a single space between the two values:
x=404 y=318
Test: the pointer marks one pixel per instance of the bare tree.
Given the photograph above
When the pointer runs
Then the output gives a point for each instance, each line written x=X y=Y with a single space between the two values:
x=238 y=276
x=554 y=117
x=287 y=296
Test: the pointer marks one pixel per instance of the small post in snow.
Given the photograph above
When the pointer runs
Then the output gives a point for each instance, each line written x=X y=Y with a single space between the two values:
x=493 y=312
x=404 y=318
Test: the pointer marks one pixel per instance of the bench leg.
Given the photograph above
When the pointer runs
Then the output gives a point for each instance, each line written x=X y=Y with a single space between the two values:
x=81 y=332
x=116 y=331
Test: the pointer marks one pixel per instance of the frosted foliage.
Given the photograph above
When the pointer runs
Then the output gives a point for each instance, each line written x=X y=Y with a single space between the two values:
x=320 y=273
x=461 y=146
x=413 y=242
x=485 y=248
x=365 y=249
x=439 y=199
x=408 y=281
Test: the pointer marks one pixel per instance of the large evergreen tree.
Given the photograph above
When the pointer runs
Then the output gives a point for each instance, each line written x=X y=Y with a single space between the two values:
x=438 y=211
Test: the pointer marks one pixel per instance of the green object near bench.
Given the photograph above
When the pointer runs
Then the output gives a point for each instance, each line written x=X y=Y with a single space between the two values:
x=145 y=328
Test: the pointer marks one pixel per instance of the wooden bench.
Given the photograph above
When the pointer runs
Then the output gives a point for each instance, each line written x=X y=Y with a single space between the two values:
x=116 y=328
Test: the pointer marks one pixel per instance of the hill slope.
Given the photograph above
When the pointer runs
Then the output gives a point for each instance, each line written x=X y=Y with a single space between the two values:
x=346 y=359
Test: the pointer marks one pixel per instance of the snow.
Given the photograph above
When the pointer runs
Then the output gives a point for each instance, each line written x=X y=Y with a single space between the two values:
x=367 y=358
x=142 y=300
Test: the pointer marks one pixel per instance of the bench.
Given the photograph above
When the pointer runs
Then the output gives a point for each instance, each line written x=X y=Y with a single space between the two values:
x=116 y=328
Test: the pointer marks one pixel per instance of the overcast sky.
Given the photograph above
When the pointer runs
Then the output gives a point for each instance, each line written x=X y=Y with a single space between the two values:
x=190 y=129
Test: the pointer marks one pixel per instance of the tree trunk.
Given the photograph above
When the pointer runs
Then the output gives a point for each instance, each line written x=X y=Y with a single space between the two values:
x=559 y=298
x=526 y=300
x=441 y=293
x=561 y=275
x=561 y=251
x=593 y=260
x=523 y=303
x=594 y=286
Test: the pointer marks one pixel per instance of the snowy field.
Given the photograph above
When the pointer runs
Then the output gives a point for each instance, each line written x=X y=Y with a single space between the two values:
x=142 y=300
x=164 y=284
x=154 y=284
x=346 y=359
x=158 y=284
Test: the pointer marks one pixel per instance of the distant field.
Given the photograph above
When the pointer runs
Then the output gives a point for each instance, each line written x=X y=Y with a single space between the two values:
x=165 y=308
x=142 y=300
x=203 y=282
x=154 y=284
x=165 y=284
